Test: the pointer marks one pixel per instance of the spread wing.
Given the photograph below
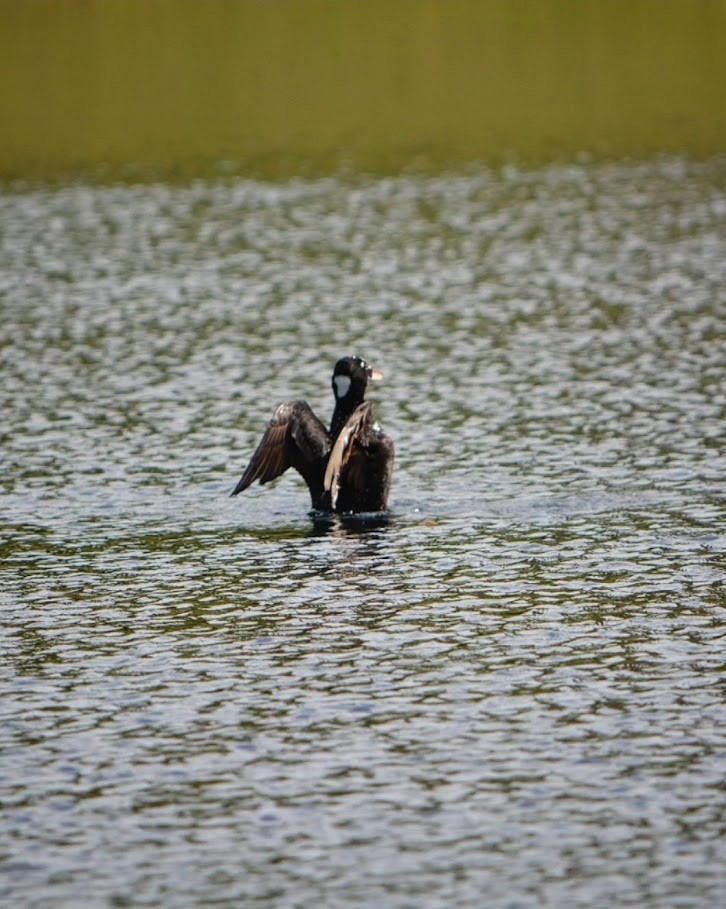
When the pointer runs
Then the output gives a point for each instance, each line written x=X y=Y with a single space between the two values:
x=348 y=459
x=294 y=437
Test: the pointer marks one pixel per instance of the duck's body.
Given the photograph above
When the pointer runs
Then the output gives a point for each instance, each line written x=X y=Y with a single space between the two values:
x=348 y=467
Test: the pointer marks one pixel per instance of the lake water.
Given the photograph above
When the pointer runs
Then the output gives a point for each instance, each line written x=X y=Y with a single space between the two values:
x=510 y=693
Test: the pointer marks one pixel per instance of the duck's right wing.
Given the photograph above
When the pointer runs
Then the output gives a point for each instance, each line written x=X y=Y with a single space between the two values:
x=294 y=437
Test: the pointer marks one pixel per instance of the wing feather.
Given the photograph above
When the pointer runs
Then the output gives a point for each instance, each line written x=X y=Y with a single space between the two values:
x=294 y=438
x=346 y=460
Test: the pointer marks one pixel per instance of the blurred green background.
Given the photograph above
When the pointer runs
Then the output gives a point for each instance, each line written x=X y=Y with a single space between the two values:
x=277 y=87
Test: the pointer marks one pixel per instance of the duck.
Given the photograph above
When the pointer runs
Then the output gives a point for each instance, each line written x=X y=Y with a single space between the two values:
x=348 y=467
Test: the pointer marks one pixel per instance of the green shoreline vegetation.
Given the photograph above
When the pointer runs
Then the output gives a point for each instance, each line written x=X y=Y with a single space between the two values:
x=175 y=88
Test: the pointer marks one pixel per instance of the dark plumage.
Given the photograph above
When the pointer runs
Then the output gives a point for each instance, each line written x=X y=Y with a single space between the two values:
x=347 y=468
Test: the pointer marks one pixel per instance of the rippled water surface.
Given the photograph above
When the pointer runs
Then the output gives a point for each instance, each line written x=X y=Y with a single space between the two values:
x=508 y=694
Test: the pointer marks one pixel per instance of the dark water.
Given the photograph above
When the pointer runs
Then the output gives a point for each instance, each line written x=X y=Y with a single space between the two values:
x=510 y=693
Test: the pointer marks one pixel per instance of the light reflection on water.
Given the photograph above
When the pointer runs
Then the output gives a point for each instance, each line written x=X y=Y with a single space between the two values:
x=509 y=686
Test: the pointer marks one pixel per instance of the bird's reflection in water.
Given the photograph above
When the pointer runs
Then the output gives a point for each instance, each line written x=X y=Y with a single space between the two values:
x=349 y=541
x=349 y=525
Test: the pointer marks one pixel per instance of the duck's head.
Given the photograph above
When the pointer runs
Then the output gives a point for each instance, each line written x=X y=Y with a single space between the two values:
x=350 y=378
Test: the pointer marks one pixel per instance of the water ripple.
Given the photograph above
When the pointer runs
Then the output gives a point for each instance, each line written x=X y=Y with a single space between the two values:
x=511 y=686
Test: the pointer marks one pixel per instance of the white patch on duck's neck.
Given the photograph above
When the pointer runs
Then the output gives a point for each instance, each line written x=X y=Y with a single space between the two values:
x=342 y=386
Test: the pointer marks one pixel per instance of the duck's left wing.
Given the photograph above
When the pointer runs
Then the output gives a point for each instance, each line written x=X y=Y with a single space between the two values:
x=347 y=465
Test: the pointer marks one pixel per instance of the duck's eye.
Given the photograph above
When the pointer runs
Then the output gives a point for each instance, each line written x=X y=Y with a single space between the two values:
x=342 y=386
